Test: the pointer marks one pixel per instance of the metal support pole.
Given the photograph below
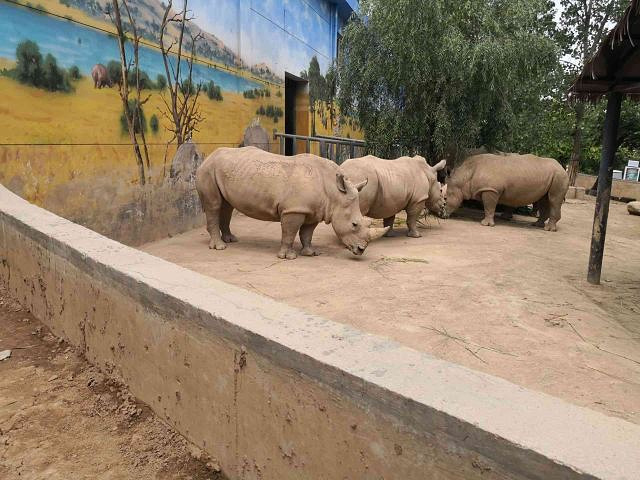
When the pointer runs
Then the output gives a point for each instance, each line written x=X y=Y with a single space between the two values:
x=605 y=177
x=282 y=147
x=308 y=146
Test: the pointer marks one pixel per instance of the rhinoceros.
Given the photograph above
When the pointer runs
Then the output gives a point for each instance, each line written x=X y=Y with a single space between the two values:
x=299 y=192
x=100 y=76
x=510 y=180
x=406 y=183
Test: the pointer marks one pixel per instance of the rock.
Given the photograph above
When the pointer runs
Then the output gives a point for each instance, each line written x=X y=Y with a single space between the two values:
x=633 y=208
x=52 y=378
x=4 y=354
x=256 y=136
x=580 y=192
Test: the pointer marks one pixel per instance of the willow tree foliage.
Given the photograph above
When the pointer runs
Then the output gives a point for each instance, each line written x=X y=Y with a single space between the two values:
x=439 y=76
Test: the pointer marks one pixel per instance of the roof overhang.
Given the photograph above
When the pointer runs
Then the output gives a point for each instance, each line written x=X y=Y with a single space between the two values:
x=616 y=65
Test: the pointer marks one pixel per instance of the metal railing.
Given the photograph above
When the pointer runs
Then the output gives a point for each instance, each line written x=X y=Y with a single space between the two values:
x=337 y=149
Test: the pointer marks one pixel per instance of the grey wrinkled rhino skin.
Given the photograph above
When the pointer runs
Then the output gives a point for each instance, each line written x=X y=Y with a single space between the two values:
x=299 y=192
x=511 y=180
x=406 y=183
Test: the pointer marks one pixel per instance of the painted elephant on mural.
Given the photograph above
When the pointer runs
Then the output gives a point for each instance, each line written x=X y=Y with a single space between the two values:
x=100 y=76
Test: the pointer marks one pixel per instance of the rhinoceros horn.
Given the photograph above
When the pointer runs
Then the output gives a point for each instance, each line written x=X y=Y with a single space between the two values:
x=376 y=233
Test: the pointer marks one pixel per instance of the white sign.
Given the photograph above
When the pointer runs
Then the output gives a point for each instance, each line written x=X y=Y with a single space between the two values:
x=633 y=163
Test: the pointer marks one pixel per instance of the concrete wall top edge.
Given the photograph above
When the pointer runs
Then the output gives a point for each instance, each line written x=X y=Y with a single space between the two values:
x=423 y=386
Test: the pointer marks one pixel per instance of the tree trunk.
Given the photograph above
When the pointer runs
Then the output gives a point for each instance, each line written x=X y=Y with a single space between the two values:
x=576 y=152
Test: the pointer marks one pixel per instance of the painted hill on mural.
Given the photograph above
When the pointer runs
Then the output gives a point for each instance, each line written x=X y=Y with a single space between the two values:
x=148 y=15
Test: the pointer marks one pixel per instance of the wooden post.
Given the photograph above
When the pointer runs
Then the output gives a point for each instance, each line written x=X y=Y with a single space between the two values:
x=605 y=177
x=352 y=151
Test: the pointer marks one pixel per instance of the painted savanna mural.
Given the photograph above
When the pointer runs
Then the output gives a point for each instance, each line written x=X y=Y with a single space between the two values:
x=117 y=161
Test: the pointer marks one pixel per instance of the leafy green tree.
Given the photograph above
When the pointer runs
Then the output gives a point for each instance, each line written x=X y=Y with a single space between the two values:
x=29 y=63
x=582 y=27
x=74 y=73
x=161 y=82
x=438 y=77
x=140 y=125
x=317 y=89
x=213 y=91
x=115 y=72
x=54 y=78
x=154 y=123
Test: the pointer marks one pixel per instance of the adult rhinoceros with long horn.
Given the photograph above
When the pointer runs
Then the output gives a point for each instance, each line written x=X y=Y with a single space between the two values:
x=406 y=183
x=299 y=192
x=510 y=180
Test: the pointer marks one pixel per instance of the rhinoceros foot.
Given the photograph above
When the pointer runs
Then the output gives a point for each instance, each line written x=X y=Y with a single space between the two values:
x=414 y=234
x=217 y=245
x=392 y=233
x=538 y=224
x=550 y=227
x=488 y=222
x=309 y=252
x=229 y=238
x=288 y=254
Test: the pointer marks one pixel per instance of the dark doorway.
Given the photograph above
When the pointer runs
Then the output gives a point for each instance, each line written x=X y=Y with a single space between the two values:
x=296 y=110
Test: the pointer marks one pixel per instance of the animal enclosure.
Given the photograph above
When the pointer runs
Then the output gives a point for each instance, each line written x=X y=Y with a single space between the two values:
x=510 y=300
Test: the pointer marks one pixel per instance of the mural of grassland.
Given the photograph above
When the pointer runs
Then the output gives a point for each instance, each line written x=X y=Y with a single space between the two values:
x=65 y=143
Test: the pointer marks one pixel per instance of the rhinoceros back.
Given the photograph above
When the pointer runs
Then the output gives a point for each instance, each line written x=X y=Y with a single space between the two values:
x=392 y=184
x=263 y=185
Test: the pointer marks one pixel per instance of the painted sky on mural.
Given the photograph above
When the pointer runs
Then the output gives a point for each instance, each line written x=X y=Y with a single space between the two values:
x=284 y=34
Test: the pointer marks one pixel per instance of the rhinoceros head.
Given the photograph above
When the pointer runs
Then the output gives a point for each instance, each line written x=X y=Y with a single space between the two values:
x=350 y=226
x=437 y=201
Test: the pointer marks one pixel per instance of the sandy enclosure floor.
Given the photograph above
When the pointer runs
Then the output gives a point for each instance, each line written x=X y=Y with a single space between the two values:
x=511 y=300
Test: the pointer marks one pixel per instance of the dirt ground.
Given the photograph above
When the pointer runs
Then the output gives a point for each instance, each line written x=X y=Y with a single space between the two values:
x=511 y=300
x=62 y=419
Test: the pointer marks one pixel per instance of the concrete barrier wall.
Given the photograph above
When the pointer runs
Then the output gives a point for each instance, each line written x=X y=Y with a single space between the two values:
x=620 y=188
x=275 y=393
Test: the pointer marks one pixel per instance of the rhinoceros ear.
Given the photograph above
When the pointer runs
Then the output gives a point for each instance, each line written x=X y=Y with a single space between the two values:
x=340 y=181
x=440 y=165
x=361 y=185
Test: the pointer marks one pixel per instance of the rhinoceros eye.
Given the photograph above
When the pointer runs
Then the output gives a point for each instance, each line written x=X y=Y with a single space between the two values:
x=355 y=224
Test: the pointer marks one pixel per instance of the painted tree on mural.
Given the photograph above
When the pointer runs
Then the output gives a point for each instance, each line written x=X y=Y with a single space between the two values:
x=181 y=107
x=130 y=78
x=442 y=78
x=317 y=89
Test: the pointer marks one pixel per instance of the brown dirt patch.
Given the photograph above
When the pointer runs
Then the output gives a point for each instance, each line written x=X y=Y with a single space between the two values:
x=60 y=418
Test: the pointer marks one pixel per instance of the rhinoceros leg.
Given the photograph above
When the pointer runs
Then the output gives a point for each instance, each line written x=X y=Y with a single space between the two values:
x=388 y=222
x=543 y=211
x=413 y=213
x=554 y=212
x=226 y=210
x=490 y=201
x=306 y=233
x=291 y=223
x=507 y=213
x=211 y=200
